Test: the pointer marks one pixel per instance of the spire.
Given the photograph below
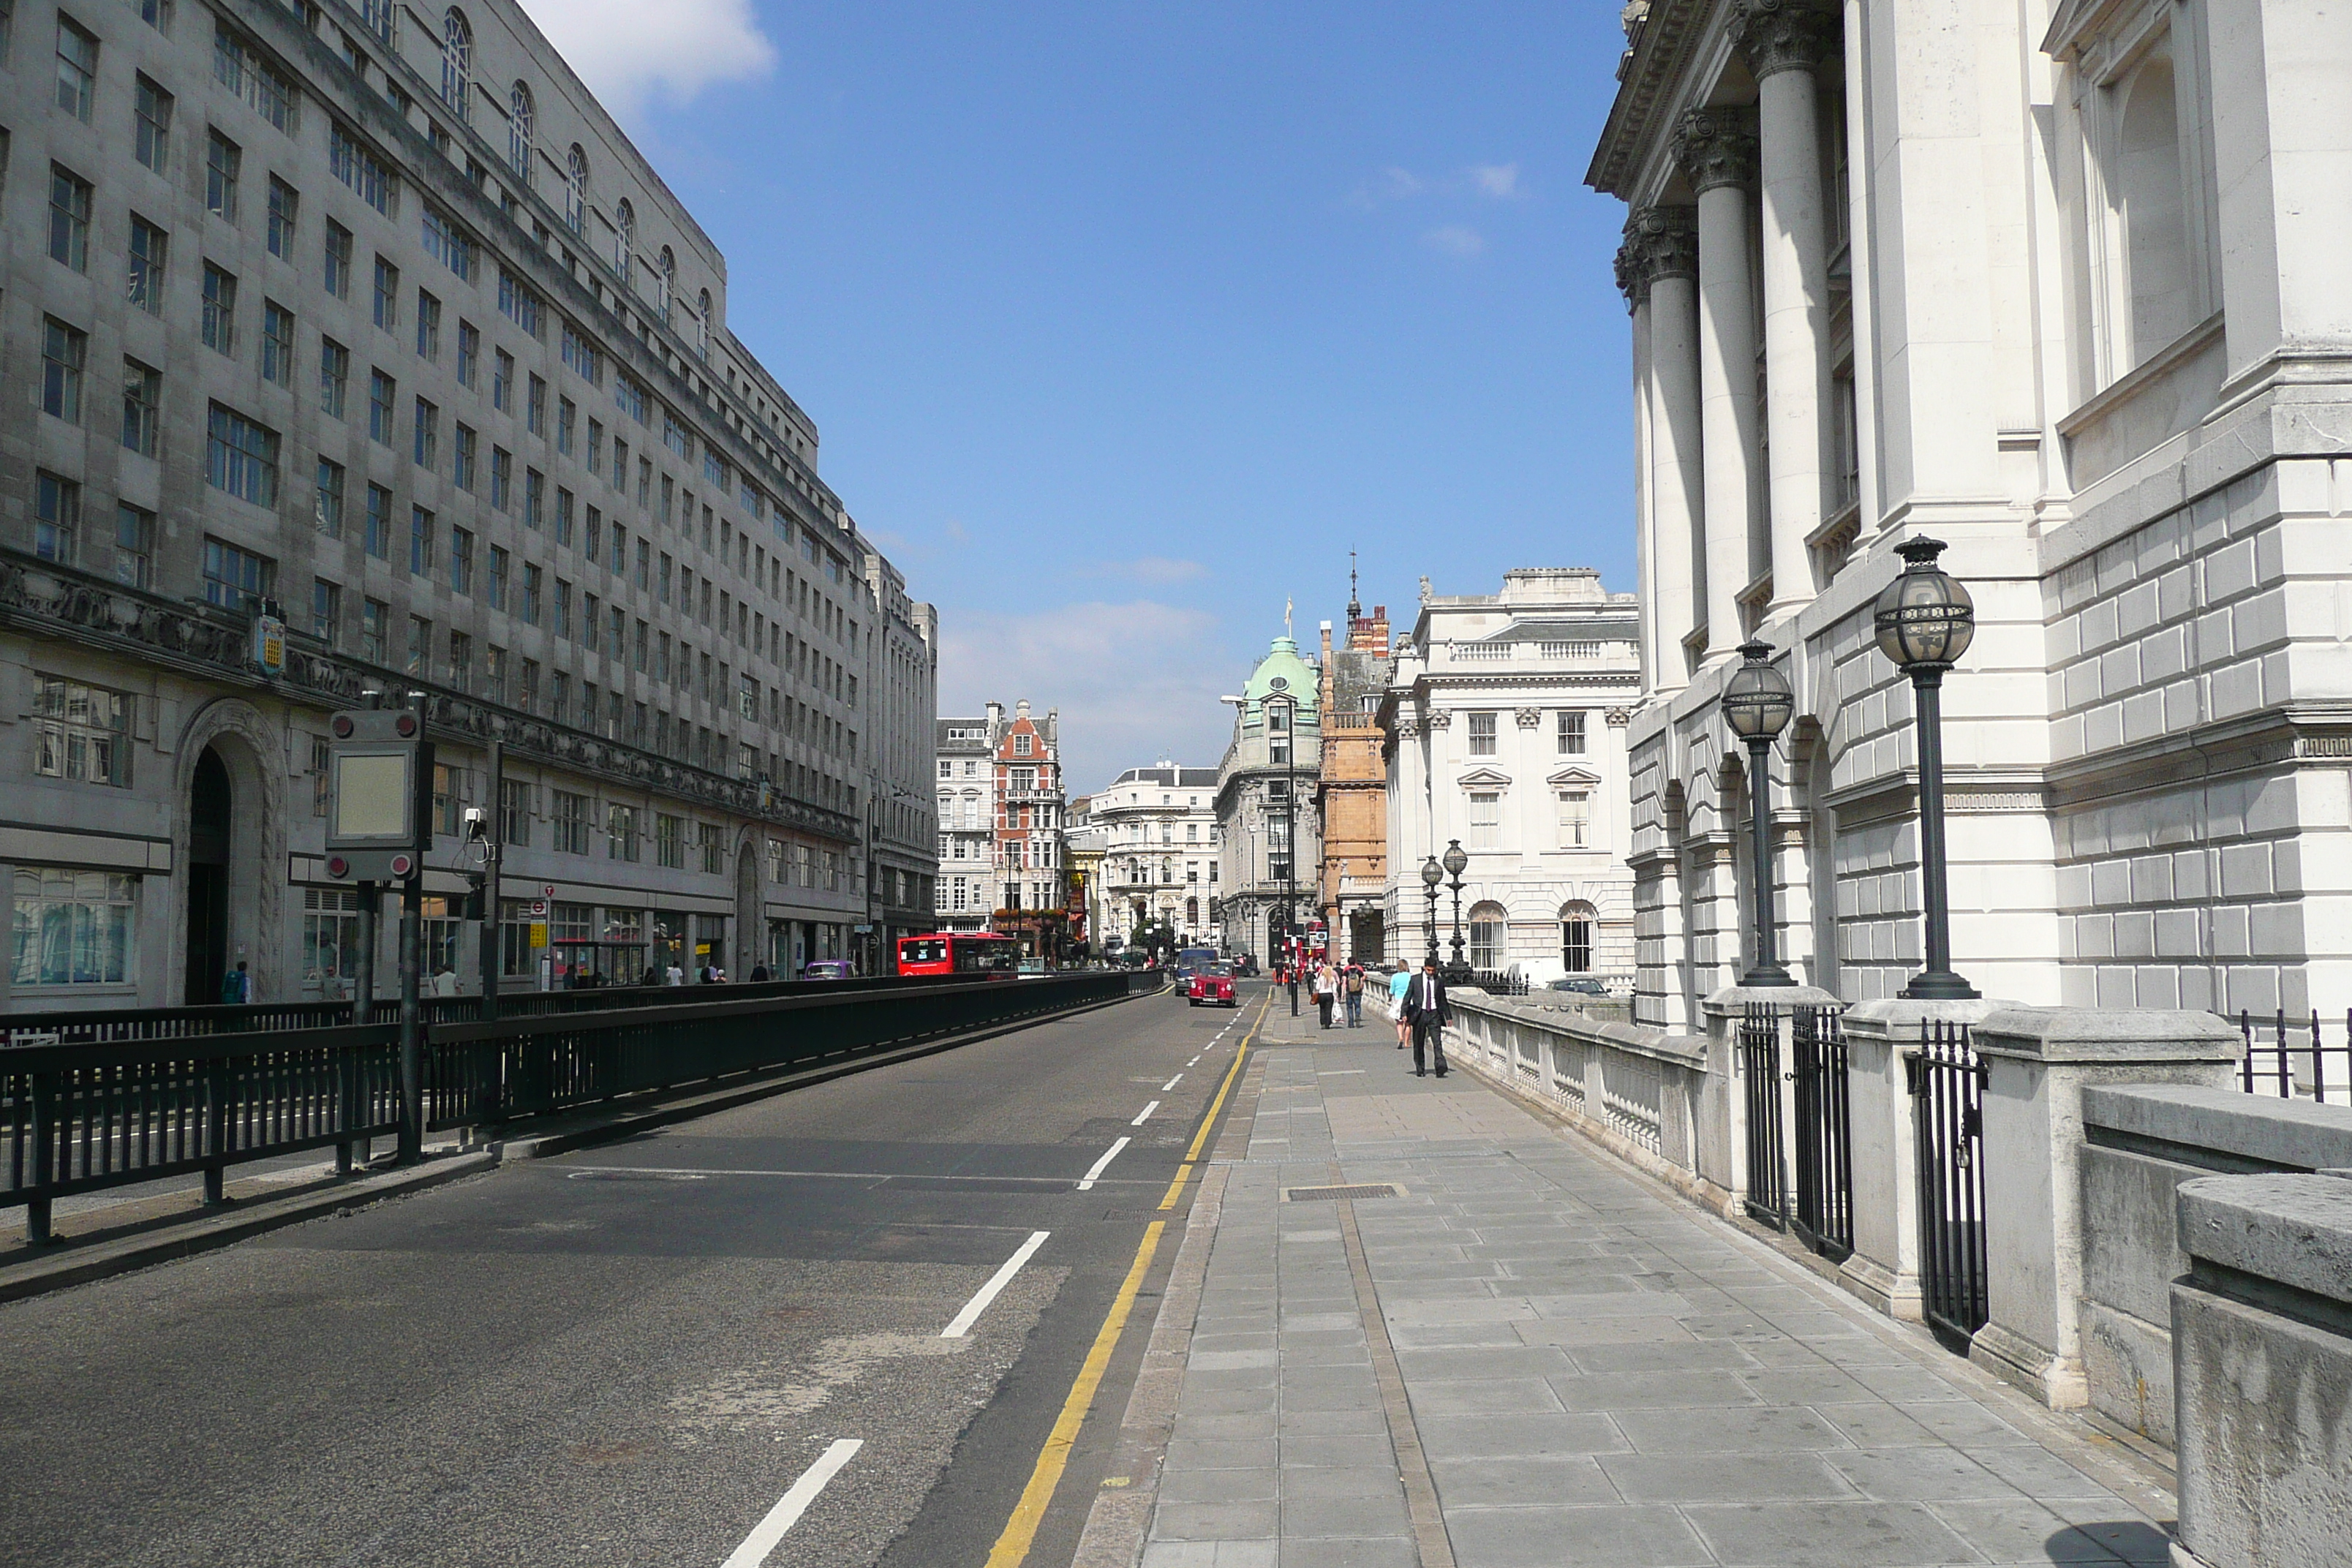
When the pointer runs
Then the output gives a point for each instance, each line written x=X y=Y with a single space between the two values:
x=1355 y=608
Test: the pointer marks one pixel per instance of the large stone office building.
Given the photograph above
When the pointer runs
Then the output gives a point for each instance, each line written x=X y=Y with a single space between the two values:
x=2069 y=287
x=370 y=320
x=1157 y=831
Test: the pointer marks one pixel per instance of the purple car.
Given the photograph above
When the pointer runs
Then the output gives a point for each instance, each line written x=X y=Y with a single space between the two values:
x=825 y=969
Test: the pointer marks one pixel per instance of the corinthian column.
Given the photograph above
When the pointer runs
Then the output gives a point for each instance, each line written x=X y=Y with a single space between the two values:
x=1717 y=151
x=1783 y=40
x=1661 y=251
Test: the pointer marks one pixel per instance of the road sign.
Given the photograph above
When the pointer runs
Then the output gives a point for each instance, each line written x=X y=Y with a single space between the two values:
x=538 y=933
x=538 y=909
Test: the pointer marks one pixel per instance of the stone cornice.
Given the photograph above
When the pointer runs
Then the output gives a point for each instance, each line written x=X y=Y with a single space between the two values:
x=1665 y=48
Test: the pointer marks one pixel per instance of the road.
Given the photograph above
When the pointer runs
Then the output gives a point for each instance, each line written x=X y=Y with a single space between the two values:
x=633 y=1354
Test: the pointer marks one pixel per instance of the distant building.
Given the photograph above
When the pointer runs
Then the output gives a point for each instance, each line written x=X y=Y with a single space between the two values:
x=1001 y=866
x=1351 y=786
x=1267 y=829
x=1160 y=847
x=964 y=887
x=1082 y=854
x=1506 y=721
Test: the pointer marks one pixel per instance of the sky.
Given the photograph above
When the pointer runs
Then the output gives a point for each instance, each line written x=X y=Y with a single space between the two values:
x=1124 y=322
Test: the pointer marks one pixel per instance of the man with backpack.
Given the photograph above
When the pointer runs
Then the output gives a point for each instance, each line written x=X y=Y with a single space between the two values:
x=1352 y=988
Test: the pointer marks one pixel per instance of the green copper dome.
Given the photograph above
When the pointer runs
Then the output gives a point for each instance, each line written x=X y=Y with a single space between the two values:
x=1282 y=671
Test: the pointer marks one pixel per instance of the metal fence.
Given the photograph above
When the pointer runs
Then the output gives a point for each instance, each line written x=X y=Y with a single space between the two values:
x=82 y=1117
x=1947 y=1081
x=1496 y=983
x=1758 y=1065
x=1823 y=1218
x=2293 y=1053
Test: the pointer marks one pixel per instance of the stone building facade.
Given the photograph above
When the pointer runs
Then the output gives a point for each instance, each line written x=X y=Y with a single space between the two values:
x=1351 y=786
x=1269 y=835
x=2069 y=289
x=378 y=327
x=964 y=887
x=1002 y=805
x=1505 y=723
x=1160 y=861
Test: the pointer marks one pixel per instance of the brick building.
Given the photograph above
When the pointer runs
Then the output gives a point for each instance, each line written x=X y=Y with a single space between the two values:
x=1351 y=787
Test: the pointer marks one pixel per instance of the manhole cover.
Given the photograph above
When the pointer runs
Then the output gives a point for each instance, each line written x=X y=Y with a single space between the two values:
x=1336 y=1194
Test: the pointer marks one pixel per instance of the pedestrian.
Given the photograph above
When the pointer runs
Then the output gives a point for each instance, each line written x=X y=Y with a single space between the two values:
x=237 y=986
x=1354 y=991
x=1399 y=983
x=759 y=975
x=1427 y=1010
x=1327 y=990
x=673 y=975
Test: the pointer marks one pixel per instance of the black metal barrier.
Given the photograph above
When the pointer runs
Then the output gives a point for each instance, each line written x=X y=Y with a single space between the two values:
x=79 y=1118
x=1947 y=1083
x=1823 y=1219
x=1759 y=1064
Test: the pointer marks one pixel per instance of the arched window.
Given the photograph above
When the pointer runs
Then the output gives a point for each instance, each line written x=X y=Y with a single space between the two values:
x=575 y=189
x=1576 y=938
x=521 y=120
x=2155 y=211
x=625 y=242
x=1192 y=912
x=667 y=284
x=458 y=64
x=702 y=324
x=1490 y=927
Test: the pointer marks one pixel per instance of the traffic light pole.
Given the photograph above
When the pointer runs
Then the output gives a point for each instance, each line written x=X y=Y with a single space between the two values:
x=412 y=1021
x=351 y=1150
x=493 y=845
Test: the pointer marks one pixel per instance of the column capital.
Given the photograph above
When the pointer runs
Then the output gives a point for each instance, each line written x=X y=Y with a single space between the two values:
x=1717 y=147
x=1660 y=242
x=1783 y=35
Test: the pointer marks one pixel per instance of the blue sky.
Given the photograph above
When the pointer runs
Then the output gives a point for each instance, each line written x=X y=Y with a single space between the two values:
x=1123 y=321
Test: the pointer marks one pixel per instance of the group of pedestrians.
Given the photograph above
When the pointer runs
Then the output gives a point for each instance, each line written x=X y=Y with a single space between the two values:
x=1340 y=989
x=1419 y=1002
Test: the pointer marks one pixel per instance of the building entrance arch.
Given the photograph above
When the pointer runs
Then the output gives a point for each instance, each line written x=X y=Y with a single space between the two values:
x=212 y=815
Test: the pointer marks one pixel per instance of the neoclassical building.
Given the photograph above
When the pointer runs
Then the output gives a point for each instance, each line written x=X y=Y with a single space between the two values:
x=2070 y=288
x=1157 y=831
x=1504 y=721
x=1269 y=835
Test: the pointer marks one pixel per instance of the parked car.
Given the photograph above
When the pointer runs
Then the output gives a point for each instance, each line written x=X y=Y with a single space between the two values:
x=1213 y=985
x=1581 y=986
x=825 y=969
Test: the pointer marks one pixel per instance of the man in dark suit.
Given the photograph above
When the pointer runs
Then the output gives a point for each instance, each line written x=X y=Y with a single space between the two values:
x=1425 y=1013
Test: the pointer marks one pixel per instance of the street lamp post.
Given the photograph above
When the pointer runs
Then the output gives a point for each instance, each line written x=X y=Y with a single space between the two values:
x=1289 y=707
x=1457 y=860
x=1925 y=621
x=1431 y=874
x=1757 y=704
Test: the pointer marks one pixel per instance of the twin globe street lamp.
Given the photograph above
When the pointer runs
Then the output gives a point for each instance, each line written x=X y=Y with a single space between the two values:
x=1431 y=874
x=1457 y=860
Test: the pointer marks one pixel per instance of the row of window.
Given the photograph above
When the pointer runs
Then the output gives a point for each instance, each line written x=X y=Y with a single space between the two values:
x=1567 y=732
x=1572 y=819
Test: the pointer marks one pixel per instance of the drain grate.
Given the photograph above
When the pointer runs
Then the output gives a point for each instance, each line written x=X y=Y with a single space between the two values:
x=1336 y=1195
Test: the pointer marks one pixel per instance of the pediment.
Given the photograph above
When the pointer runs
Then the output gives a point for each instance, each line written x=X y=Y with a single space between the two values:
x=1570 y=776
x=1483 y=778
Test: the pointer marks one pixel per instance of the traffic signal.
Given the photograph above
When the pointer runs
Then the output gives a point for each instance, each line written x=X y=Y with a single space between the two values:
x=379 y=795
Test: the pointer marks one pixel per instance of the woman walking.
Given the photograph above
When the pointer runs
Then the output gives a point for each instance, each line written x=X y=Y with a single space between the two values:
x=1327 y=990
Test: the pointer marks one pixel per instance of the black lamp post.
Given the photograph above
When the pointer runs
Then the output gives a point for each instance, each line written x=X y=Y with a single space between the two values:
x=1289 y=706
x=1757 y=704
x=1925 y=620
x=1431 y=874
x=1457 y=860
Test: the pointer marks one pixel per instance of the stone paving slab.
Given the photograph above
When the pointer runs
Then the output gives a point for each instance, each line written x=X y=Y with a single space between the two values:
x=1585 y=1371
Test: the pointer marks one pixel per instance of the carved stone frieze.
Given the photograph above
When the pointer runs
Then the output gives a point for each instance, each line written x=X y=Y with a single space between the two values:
x=1717 y=147
x=1618 y=718
x=1441 y=720
x=1528 y=718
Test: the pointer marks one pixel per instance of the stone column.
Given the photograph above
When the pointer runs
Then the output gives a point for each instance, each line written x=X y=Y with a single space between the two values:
x=1663 y=243
x=1782 y=41
x=1716 y=151
x=1635 y=288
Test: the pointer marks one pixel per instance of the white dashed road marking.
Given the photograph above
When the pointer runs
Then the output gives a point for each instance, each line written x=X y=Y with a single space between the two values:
x=1171 y=1083
x=1085 y=1183
x=962 y=1323
x=787 y=1512
x=1146 y=1116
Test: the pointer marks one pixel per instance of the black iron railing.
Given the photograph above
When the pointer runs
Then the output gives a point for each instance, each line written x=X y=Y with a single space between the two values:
x=1823 y=1218
x=81 y=1116
x=2293 y=1056
x=1947 y=1083
x=1497 y=983
x=1759 y=1066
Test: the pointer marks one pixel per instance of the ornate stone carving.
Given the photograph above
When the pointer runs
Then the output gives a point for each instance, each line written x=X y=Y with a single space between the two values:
x=1407 y=727
x=1441 y=720
x=1619 y=717
x=1717 y=147
x=1660 y=242
x=1528 y=718
x=1782 y=35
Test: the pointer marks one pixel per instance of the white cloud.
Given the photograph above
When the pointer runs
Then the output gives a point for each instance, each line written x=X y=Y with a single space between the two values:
x=1152 y=569
x=1500 y=181
x=1392 y=184
x=628 y=51
x=1133 y=681
x=1454 y=239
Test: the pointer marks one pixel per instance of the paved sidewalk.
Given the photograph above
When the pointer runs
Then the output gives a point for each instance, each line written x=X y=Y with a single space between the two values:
x=1529 y=1356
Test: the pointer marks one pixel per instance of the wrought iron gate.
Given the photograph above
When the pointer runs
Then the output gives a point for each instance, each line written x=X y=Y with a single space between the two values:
x=1824 y=1212
x=1947 y=1083
x=1759 y=1064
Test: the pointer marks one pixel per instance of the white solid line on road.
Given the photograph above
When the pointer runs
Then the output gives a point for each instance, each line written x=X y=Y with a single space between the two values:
x=1171 y=1083
x=787 y=1512
x=1147 y=1110
x=962 y=1323
x=1086 y=1183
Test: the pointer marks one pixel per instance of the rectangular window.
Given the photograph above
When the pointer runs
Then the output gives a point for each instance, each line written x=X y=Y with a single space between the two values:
x=562 y=608
x=1482 y=734
x=501 y=478
x=1572 y=733
x=355 y=163
x=236 y=578
x=534 y=498
x=224 y=160
x=566 y=418
x=220 y=310
x=420 y=542
x=564 y=511
x=420 y=646
x=134 y=545
x=151 y=139
x=150 y=249
x=241 y=456
x=499 y=560
x=56 y=518
x=327 y=509
x=426 y=449
x=1485 y=819
x=339 y=260
x=461 y=668
x=326 y=611
x=569 y=814
x=69 y=218
x=534 y=408
x=245 y=73
x=528 y=698
x=374 y=617
x=387 y=295
x=428 y=326
x=519 y=303
x=581 y=356
x=285 y=206
x=64 y=350
x=630 y=396
x=1575 y=807
x=469 y=453
x=77 y=70
x=461 y=561
x=669 y=841
x=448 y=244
x=620 y=831
x=334 y=376
x=502 y=375
x=469 y=353
x=379 y=522
x=531 y=589
x=73 y=927
x=382 y=392
x=276 y=343
x=514 y=813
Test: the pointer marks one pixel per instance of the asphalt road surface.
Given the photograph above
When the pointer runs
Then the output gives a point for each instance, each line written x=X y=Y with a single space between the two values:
x=643 y=1353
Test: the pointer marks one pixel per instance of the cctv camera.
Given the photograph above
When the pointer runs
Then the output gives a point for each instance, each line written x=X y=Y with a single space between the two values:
x=477 y=826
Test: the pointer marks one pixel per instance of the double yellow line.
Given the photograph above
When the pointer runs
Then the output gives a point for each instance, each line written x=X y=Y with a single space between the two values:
x=1012 y=1547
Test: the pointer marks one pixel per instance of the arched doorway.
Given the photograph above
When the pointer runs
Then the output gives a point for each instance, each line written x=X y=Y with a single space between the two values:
x=211 y=808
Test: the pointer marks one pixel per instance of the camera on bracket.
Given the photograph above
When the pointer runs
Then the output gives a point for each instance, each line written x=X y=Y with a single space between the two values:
x=476 y=823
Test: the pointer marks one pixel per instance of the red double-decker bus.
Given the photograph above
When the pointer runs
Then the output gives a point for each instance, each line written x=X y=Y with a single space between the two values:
x=959 y=953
